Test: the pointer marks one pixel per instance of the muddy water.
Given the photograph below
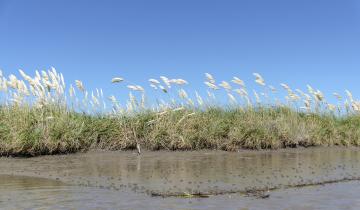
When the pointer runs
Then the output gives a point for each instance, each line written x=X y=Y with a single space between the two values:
x=123 y=180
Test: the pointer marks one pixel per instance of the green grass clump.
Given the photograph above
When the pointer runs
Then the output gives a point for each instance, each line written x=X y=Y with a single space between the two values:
x=30 y=131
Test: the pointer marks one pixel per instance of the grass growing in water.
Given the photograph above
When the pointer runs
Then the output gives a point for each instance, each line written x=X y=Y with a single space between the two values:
x=38 y=116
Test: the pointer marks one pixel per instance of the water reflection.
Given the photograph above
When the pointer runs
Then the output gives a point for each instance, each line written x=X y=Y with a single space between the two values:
x=206 y=171
x=101 y=178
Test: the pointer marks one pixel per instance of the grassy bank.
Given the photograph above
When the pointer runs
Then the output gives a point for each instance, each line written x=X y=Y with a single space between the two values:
x=39 y=115
x=31 y=132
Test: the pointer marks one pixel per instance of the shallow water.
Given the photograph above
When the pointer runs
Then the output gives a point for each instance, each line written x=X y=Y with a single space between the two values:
x=124 y=180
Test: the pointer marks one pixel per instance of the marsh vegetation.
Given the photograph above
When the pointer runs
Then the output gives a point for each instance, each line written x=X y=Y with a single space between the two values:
x=42 y=115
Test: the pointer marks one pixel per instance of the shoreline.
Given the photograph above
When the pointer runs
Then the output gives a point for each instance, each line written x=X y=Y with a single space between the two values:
x=240 y=151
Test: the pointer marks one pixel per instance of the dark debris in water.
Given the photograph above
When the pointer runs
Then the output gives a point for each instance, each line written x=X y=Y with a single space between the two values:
x=259 y=193
x=181 y=195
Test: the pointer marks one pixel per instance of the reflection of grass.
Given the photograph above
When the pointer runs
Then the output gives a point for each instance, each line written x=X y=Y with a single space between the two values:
x=39 y=116
x=26 y=131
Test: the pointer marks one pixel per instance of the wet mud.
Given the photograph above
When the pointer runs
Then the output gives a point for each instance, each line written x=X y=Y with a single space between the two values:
x=177 y=180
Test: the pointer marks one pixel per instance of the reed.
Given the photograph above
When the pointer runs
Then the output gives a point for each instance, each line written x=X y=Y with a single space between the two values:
x=40 y=115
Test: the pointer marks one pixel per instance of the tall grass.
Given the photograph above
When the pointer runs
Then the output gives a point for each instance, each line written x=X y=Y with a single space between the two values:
x=39 y=115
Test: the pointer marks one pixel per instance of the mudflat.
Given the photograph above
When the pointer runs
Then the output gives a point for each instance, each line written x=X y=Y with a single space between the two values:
x=195 y=179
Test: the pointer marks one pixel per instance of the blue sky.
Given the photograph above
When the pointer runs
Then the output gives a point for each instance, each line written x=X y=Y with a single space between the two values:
x=294 y=41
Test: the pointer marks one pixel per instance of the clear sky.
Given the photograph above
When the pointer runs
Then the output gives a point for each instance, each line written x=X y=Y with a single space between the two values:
x=294 y=41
